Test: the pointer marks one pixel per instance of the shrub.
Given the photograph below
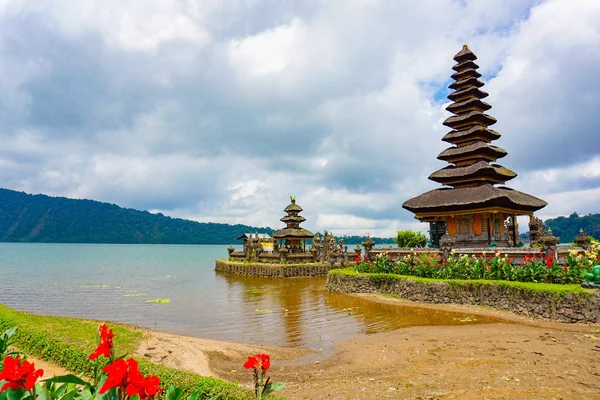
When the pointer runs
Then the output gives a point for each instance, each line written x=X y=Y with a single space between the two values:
x=410 y=238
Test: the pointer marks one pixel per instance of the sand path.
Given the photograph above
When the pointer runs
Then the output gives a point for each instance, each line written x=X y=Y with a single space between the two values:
x=517 y=359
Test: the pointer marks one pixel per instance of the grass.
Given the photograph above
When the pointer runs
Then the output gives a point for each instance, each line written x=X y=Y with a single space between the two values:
x=67 y=342
x=528 y=286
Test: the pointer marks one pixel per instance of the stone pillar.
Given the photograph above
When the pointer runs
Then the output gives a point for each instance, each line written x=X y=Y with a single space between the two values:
x=230 y=250
x=368 y=244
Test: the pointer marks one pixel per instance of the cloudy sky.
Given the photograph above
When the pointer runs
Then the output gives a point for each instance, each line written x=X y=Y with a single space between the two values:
x=219 y=110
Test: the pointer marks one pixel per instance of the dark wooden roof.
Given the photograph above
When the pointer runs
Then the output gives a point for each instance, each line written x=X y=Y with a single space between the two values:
x=464 y=55
x=467 y=82
x=293 y=218
x=469 y=64
x=474 y=149
x=458 y=136
x=293 y=207
x=462 y=106
x=479 y=197
x=468 y=92
x=471 y=117
x=465 y=73
x=473 y=176
x=293 y=233
x=480 y=171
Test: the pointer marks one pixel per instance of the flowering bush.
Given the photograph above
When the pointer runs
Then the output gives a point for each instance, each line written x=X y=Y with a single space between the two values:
x=535 y=267
x=119 y=379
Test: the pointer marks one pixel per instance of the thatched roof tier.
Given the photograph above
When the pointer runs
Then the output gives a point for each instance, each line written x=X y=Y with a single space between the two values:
x=464 y=55
x=481 y=172
x=469 y=64
x=477 y=132
x=476 y=150
x=446 y=200
x=471 y=104
x=463 y=94
x=471 y=118
x=293 y=207
x=293 y=218
x=465 y=83
x=465 y=73
x=293 y=233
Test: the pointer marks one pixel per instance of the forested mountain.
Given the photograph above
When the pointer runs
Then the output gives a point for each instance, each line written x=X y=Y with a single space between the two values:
x=567 y=228
x=40 y=218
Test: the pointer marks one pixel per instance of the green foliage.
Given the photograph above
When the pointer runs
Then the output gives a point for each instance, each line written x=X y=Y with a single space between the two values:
x=410 y=238
x=67 y=342
x=567 y=228
x=40 y=218
x=535 y=268
x=528 y=286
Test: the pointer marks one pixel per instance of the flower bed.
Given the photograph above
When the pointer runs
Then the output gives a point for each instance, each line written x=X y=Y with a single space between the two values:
x=536 y=267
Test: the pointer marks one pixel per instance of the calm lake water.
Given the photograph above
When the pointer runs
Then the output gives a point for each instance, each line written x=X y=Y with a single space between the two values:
x=114 y=283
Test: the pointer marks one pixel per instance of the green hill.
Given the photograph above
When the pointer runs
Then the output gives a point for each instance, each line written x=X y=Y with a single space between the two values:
x=567 y=228
x=40 y=218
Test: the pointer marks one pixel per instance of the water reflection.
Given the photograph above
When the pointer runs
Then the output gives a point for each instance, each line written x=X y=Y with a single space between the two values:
x=299 y=312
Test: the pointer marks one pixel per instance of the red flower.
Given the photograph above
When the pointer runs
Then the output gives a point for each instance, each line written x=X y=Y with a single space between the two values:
x=549 y=263
x=578 y=265
x=526 y=259
x=117 y=375
x=106 y=344
x=19 y=374
x=565 y=268
x=508 y=260
x=125 y=374
x=262 y=361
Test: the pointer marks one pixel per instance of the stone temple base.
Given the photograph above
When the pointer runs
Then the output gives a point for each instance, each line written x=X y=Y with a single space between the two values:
x=273 y=270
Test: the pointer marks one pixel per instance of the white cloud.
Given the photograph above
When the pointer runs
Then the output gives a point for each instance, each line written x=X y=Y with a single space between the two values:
x=218 y=110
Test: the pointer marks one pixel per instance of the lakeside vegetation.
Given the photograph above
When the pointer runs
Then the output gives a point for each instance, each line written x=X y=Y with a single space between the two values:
x=536 y=267
x=67 y=342
x=567 y=228
x=40 y=218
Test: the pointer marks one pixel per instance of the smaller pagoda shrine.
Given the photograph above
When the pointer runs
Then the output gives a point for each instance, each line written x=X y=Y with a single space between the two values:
x=292 y=236
x=471 y=210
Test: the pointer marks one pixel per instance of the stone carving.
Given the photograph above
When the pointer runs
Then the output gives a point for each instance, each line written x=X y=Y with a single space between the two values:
x=549 y=241
x=582 y=240
x=368 y=244
x=536 y=229
x=446 y=244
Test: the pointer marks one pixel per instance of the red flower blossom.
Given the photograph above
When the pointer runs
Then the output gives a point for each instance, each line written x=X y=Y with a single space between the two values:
x=262 y=361
x=526 y=259
x=549 y=263
x=508 y=260
x=578 y=265
x=19 y=374
x=106 y=344
x=565 y=268
x=125 y=374
x=488 y=266
x=117 y=375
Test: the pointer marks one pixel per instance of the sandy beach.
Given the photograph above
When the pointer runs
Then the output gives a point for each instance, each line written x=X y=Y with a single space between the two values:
x=518 y=358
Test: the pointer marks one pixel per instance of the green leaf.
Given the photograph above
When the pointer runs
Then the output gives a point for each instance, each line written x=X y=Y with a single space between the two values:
x=174 y=393
x=70 y=378
x=194 y=396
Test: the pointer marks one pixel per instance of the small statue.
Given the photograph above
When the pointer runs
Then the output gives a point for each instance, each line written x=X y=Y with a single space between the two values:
x=593 y=277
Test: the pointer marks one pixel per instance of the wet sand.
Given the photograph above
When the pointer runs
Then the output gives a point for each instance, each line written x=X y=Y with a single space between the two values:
x=517 y=358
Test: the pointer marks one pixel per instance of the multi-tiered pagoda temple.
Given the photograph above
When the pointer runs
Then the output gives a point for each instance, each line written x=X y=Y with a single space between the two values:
x=295 y=237
x=471 y=210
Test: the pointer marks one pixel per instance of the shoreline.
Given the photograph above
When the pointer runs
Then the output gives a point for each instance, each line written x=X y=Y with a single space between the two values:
x=517 y=357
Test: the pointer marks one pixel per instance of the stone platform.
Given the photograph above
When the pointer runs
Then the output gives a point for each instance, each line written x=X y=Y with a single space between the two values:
x=273 y=270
